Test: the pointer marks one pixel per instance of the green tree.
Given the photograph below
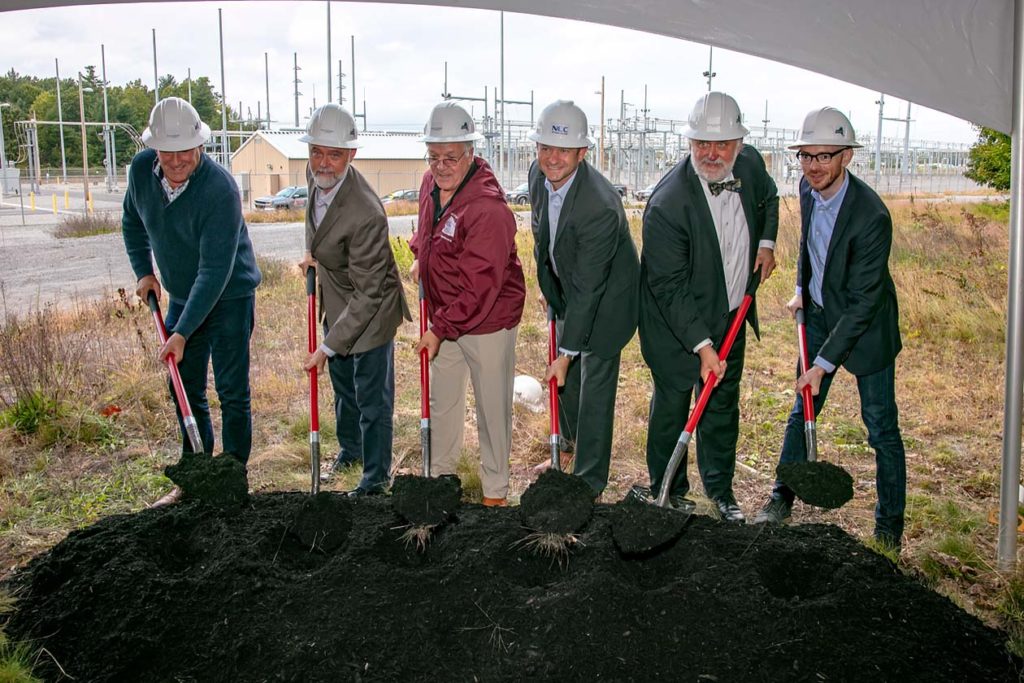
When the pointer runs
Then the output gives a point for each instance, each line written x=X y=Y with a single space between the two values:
x=989 y=160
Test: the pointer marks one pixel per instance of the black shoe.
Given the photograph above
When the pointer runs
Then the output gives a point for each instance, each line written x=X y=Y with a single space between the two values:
x=775 y=511
x=729 y=511
x=337 y=467
x=680 y=502
x=360 y=492
x=641 y=494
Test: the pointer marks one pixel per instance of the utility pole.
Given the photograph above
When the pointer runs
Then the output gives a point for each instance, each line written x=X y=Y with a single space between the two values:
x=709 y=74
x=905 y=160
x=225 y=147
x=295 y=58
x=108 y=132
x=600 y=149
x=60 y=125
x=85 y=149
x=190 y=85
x=878 y=140
x=266 y=80
x=341 y=85
x=765 y=120
x=156 y=79
x=329 y=78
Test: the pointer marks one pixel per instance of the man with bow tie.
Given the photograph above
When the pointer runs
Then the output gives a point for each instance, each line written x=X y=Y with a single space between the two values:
x=708 y=239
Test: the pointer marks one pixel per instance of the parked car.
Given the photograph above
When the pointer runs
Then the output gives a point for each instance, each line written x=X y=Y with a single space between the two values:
x=622 y=189
x=291 y=197
x=401 y=196
x=520 y=195
x=644 y=194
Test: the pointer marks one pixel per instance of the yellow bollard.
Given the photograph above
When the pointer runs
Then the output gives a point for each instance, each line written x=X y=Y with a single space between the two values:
x=54 y=197
x=67 y=204
x=90 y=202
x=32 y=200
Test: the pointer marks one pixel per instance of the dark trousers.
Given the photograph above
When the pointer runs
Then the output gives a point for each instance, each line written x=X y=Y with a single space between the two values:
x=364 y=400
x=223 y=338
x=717 y=430
x=881 y=417
x=586 y=413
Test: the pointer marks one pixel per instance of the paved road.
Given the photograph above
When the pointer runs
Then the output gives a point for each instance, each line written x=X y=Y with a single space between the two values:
x=37 y=269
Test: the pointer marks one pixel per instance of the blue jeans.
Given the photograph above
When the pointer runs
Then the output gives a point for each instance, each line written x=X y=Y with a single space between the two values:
x=364 y=401
x=881 y=417
x=223 y=338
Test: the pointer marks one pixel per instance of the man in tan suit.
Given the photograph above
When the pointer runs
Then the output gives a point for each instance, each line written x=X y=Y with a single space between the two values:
x=361 y=298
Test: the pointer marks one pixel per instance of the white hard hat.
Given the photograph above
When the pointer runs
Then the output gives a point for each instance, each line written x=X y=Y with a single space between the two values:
x=715 y=117
x=174 y=126
x=449 y=122
x=826 y=126
x=527 y=392
x=331 y=126
x=562 y=124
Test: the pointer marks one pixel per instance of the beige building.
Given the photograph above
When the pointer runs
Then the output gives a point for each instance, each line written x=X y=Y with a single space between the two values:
x=270 y=161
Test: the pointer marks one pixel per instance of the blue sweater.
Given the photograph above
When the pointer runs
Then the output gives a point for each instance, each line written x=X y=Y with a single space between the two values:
x=200 y=242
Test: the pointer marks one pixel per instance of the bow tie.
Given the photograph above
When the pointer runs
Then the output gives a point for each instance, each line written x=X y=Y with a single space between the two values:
x=717 y=188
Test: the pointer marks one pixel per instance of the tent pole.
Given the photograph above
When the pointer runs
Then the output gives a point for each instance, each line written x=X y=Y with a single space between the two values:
x=1014 y=395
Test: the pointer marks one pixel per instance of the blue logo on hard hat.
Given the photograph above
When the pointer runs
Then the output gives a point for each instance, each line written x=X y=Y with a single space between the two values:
x=559 y=129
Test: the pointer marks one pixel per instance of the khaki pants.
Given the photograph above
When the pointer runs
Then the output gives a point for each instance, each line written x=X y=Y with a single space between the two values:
x=488 y=361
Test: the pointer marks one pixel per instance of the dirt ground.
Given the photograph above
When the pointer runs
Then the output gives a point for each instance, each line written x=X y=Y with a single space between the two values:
x=288 y=588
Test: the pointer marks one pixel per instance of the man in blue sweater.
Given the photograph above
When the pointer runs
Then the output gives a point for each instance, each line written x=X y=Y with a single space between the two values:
x=183 y=211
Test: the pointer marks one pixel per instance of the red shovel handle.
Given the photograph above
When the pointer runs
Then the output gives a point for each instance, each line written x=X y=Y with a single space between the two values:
x=424 y=359
x=723 y=353
x=553 y=383
x=314 y=407
x=172 y=366
x=805 y=364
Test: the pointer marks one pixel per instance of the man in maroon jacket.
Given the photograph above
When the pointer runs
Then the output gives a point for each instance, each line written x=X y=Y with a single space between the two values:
x=465 y=247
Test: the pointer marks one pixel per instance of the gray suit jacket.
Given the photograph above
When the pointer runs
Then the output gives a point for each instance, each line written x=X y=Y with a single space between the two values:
x=361 y=296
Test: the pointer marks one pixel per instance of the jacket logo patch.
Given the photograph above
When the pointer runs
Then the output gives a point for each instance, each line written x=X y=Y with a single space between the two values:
x=448 y=231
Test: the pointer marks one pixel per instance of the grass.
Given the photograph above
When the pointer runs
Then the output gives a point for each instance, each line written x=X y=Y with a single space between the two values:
x=87 y=225
x=87 y=425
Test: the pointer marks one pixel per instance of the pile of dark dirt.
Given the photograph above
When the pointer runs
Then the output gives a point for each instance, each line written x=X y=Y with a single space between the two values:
x=817 y=483
x=218 y=480
x=273 y=592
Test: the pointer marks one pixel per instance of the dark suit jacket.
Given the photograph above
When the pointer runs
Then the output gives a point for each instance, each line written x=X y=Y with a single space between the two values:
x=595 y=291
x=361 y=296
x=683 y=299
x=857 y=291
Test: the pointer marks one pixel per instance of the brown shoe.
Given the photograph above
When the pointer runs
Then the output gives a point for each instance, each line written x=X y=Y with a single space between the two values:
x=495 y=502
x=170 y=499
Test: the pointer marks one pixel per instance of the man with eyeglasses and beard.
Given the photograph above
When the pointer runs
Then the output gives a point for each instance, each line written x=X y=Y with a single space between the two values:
x=466 y=260
x=708 y=240
x=851 y=311
x=361 y=298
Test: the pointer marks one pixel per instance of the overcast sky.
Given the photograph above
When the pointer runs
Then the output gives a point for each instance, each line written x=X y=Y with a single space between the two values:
x=400 y=56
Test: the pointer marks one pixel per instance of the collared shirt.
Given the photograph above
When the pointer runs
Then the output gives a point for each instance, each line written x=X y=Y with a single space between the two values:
x=171 y=193
x=322 y=199
x=824 y=213
x=556 y=198
x=734 y=242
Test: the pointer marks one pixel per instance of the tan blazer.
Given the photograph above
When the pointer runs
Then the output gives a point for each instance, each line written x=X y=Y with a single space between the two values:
x=361 y=296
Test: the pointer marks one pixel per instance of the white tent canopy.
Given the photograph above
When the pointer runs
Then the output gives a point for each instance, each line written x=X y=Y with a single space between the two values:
x=956 y=56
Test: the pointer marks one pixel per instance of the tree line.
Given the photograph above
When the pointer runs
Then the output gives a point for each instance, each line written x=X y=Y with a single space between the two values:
x=129 y=104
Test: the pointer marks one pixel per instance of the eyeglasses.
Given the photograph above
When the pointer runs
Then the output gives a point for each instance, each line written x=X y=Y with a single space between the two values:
x=445 y=162
x=821 y=157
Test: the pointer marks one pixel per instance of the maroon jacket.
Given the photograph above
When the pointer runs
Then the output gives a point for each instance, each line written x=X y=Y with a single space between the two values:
x=470 y=271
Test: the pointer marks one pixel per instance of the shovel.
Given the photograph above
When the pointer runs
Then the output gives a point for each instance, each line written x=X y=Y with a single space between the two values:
x=314 y=407
x=424 y=388
x=556 y=460
x=821 y=484
x=702 y=402
x=191 y=428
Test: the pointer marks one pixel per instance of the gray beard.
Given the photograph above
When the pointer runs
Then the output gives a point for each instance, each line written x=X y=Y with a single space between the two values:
x=726 y=172
x=323 y=183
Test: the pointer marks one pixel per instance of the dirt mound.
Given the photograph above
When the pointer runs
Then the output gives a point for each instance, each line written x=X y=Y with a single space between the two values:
x=818 y=483
x=215 y=480
x=557 y=503
x=191 y=593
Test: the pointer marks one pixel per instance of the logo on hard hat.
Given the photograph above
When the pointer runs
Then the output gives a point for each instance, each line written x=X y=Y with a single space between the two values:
x=559 y=129
x=841 y=131
x=465 y=125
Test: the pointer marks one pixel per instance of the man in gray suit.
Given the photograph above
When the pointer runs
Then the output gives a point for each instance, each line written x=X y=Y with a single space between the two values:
x=588 y=272
x=361 y=298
